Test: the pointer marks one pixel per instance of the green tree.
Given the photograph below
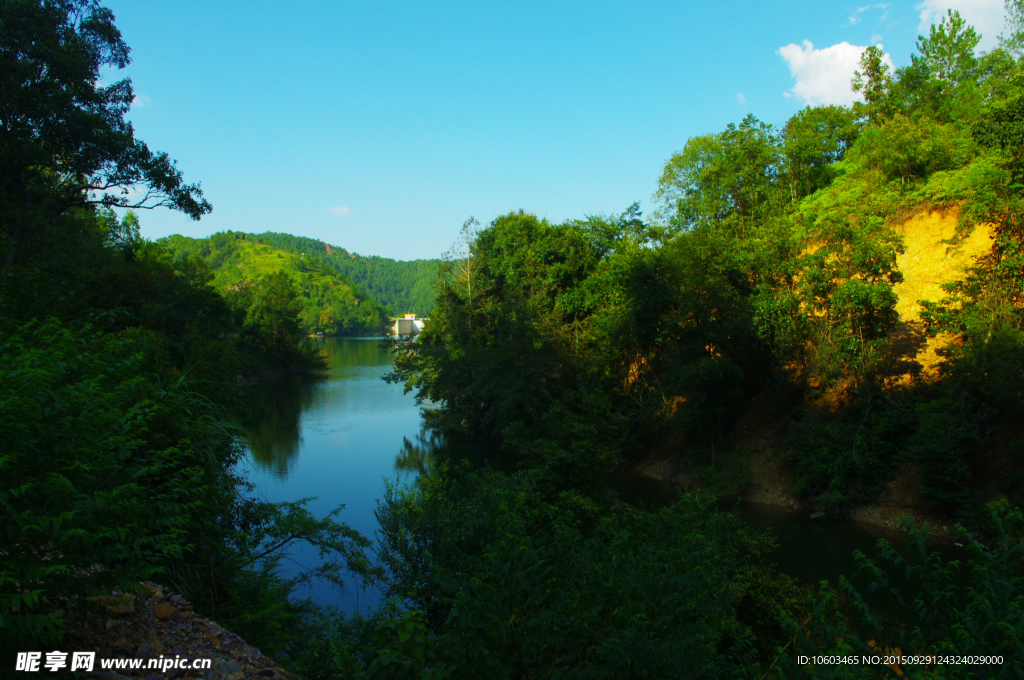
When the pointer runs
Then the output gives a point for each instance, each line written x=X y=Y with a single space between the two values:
x=813 y=141
x=727 y=177
x=505 y=584
x=949 y=68
x=947 y=54
x=1014 y=42
x=874 y=82
x=64 y=140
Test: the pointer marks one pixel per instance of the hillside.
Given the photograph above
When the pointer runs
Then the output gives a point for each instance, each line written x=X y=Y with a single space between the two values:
x=328 y=301
x=404 y=286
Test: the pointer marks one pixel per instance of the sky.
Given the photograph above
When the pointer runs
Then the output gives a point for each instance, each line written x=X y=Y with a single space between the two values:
x=382 y=127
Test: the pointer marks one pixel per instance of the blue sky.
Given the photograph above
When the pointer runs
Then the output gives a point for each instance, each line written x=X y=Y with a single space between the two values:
x=381 y=127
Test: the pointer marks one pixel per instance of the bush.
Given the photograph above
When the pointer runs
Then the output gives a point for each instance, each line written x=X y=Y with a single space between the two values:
x=507 y=585
x=105 y=474
x=968 y=606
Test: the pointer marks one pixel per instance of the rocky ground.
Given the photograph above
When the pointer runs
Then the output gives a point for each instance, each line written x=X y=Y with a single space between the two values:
x=152 y=622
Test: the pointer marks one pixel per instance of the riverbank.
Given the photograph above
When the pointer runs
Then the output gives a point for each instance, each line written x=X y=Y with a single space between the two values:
x=756 y=472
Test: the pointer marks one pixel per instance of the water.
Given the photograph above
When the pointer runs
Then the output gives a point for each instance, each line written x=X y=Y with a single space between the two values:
x=335 y=438
x=809 y=549
x=339 y=438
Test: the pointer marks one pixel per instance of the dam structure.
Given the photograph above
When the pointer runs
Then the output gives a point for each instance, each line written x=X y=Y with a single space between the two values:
x=408 y=325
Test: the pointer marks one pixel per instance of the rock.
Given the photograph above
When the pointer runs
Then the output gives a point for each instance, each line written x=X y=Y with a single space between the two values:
x=158 y=594
x=253 y=653
x=213 y=640
x=119 y=604
x=145 y=651
x=267 y=673
x=117 y=650
x=165 y=610
x=228 y=669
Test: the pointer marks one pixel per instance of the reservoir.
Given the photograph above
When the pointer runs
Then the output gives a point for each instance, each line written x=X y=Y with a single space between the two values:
x=340 y=438
x=333 y=438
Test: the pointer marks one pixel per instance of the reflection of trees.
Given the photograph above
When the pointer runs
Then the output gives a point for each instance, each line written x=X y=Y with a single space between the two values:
x=420 y=456
x=275 y=407
x=352 y=353
x=430 y=448
x=273 y=422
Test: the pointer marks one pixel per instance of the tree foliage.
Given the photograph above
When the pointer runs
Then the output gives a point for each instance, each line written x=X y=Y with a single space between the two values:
x=64 y=140
x=305 y=291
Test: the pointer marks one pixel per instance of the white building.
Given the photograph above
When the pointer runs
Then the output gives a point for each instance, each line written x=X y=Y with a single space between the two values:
x=409 y=325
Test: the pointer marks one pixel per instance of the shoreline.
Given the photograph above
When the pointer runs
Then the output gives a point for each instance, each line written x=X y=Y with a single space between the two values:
x=765 y=484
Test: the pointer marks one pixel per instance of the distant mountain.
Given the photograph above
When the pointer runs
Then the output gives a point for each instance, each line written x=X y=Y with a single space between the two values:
x=329 y=301
x=404 y=286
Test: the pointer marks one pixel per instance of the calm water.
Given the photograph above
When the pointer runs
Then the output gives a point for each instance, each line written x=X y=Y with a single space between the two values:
x=339 y=438
x=336 y=438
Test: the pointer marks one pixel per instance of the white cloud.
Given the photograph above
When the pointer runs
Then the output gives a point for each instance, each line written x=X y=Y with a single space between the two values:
x=856 y=17
x=987 y=17
x=339 y=210
x=823 y=76
x=740 y=99
x=140 y=100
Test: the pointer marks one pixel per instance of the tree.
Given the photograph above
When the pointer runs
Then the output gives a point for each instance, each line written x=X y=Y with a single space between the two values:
x=873 y=81
x=947 y=54
x=64 y=140
x=812 y=141
x=460 y=266
x=715 y=177
x=946 y=75
x=1014 y=43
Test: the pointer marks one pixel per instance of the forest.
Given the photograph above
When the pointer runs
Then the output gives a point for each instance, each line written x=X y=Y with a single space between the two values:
x=326 y=301
x=555 y=353
x=405 y=287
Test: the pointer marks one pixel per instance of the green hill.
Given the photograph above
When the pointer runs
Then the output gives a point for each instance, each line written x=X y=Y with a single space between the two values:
x=330 y=303
x=404 y=286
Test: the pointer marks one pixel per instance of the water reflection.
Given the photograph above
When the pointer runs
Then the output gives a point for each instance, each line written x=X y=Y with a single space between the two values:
x=276 y=407
x=334 y=438
x=273 y=430
x=421 y=455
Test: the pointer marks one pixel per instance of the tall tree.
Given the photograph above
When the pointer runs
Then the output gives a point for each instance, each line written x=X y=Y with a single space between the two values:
x=721 y=176
x=64 y=140
x=812 y=141
x=1015 y=22
x=873 y=81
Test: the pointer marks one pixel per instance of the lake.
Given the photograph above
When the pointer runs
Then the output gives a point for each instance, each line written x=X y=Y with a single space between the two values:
x=336 y=438
x=339 y=437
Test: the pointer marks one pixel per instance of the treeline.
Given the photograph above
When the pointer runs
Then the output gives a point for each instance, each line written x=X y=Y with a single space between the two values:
x=769 y=268
x=307 y=288
x=403 y=286
x=767 y=275
x=117 y=361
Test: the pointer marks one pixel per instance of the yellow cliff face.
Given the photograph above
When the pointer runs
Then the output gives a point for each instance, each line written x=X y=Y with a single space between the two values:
x=927 y=262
